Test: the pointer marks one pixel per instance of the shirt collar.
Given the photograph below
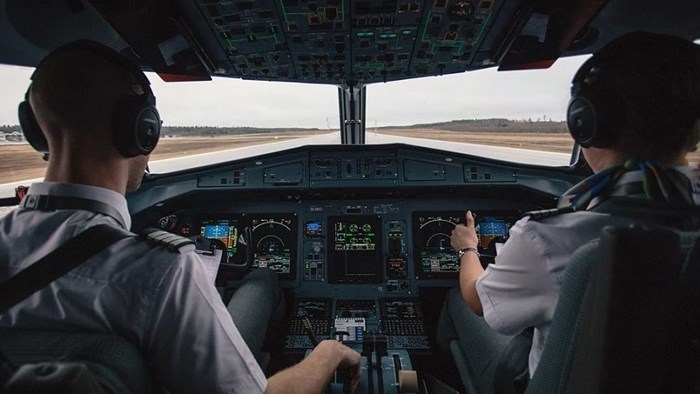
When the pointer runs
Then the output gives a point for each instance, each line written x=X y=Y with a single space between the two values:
x=106 y=196
x=630 y=182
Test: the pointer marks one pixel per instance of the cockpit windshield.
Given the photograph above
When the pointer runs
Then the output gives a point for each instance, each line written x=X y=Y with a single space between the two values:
x=515 y=116
x=511 y=116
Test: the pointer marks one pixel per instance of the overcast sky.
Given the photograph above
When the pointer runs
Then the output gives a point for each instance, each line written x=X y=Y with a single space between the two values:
x=233 y=102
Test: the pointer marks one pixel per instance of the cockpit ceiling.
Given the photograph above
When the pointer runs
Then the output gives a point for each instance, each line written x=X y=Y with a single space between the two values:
x=328 y=41
x=360 y=41
x=340 y=42
x=314 y=41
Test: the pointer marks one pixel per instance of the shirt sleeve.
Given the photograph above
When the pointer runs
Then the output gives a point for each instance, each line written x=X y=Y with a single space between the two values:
x=516 y=291
x=191 y=337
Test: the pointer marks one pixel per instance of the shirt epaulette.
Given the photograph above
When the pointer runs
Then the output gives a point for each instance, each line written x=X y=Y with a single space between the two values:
x=163 y=238
x=545 y=213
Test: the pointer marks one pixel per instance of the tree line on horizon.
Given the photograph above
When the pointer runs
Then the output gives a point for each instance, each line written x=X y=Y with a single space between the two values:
x=498 y=125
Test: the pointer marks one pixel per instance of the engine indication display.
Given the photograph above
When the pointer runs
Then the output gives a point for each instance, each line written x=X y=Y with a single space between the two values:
x=275 y=243
x=354 y=254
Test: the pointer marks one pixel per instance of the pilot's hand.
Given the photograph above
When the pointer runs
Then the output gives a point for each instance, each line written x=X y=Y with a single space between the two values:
x=349 y=360
x=464 y=236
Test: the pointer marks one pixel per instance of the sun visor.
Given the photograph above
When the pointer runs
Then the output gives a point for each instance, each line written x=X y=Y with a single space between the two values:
x=547 y=30
x=160 y=39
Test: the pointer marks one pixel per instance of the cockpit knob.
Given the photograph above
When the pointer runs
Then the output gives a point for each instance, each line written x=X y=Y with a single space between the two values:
x=408 y=381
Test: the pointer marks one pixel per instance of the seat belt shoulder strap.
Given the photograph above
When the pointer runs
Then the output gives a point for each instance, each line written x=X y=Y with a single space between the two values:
x=58 y=263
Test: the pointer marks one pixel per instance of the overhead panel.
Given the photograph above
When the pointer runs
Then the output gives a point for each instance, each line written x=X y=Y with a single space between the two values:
x=451 y=35
x=343 y=41
x=319 y=42
x=383 y=36
x=251 y=35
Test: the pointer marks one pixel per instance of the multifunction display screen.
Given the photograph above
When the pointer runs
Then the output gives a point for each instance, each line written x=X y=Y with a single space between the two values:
x=431 y=235
x=265 y=240
x=355 y=251
x=275 y=240
x=227 y=230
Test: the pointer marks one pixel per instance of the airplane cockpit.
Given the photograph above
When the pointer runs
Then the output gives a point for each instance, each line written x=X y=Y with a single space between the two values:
x=358 y=233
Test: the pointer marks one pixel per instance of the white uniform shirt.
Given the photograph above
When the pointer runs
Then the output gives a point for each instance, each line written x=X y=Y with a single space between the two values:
x=159 y=300
x=521 y=288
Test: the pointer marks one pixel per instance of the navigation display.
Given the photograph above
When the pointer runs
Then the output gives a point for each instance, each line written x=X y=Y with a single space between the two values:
x=226 y=230
x=355 y=251
x=275 y=242
x=431 y=238
x=493 y=233
x=431 y=234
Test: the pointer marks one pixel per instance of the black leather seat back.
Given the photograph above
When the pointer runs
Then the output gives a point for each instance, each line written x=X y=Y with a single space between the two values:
x=553 y=371
x=116 y=364
x=635 y=335
x=628 y=316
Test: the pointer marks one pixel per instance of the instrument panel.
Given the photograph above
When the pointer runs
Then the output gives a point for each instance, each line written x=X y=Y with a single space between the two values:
x=368 y=222
x=267 y=240
x=372 y=245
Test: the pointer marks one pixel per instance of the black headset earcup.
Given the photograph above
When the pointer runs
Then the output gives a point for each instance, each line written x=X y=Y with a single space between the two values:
x=136 y=126
x=582 y=120
x=30 y=128
x=589 y=119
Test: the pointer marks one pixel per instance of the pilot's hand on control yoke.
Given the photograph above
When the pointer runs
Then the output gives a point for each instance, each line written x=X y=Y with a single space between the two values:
x=464 y=236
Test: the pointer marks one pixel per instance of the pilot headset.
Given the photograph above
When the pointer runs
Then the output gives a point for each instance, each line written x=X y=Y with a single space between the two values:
x=593 y=112
x=135 y=121
x=596 y=109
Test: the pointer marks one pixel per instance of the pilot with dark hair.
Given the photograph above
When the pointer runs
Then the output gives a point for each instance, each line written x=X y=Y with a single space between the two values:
x=634 y=109
x=94 y=111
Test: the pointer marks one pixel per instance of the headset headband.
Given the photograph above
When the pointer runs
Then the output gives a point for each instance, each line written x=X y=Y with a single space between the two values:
x=116 y=58
x=135 y=120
